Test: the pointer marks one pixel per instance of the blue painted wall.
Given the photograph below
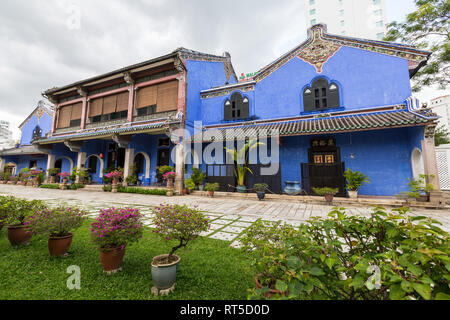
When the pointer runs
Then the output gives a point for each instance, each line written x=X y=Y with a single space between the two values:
x=45 y=123
x=366 y=79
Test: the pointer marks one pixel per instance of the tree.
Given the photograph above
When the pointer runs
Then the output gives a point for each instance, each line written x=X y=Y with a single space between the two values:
x=441 y=136
x=427 y=28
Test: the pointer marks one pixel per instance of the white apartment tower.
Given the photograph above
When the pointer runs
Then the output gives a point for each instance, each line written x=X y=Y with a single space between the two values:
x=5 y=134
x=441 y=105
x=354 y=18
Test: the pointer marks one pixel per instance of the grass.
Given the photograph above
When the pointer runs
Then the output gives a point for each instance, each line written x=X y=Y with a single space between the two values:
x=209 y=269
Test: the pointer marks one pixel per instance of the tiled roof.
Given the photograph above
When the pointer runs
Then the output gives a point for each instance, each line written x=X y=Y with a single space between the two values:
x=20 y=151
x=331 y=124
x=105 y=132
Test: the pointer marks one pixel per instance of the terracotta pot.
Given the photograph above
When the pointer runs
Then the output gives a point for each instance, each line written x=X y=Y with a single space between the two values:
x=211 y=193
x=58 y=246
x=271 y=293
x=111 y=259
x=18 y=235
x=329 y=197
x=184 y=191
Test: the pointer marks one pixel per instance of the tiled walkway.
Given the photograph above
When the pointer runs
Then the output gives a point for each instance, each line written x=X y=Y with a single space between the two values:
x=230 y=217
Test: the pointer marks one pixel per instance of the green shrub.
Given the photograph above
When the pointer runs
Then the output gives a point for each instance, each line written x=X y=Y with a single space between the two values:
x=189 y=183
x=49 y=186
x=15 y=210
x=165 y=169
x=325 y=190
x=260 y=187
x=384 y=256
x=160 y=192
x=75 y=186
x=355 y=179
x=53 y=171
x=212 y=186
x=131 y=179
x=198 y=176
x=107 y=188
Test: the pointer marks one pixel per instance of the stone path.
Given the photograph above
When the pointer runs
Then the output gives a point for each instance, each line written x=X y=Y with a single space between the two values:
x=230 y=217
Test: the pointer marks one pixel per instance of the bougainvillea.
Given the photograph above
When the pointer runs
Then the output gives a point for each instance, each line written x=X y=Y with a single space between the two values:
x=170 y=175
x=114 y=174
x=64 y=175
x=116 y=227
x=58 y=222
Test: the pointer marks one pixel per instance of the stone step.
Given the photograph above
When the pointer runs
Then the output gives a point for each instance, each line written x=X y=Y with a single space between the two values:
x=93 y=187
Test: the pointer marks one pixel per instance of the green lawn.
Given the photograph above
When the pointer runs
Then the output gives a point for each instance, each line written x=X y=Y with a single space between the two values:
x=209 y=269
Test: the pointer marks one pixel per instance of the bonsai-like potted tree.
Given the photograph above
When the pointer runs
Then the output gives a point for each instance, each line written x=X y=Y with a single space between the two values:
x=57 y=224
x=327 y=192
x=198 y=177
x=174 y=223
x=53 y=172
x=15 y=211
x=240 y=159
x=112 y=231
x=131 y=180
x=260 y=189
x=355 y=180
x=211 y=187
x=189 y=184
x=419 y=189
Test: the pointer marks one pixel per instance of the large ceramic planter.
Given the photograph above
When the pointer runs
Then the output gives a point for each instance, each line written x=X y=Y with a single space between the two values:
x=111 y=259
x=261 y=195
x=58 y=246
x=353 y=194
x=18 y=235
x=164 y=275
x=241 y=189
x=292 y=188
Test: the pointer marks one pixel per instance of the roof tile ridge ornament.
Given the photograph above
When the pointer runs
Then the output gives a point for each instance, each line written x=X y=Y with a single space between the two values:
x=423 y=111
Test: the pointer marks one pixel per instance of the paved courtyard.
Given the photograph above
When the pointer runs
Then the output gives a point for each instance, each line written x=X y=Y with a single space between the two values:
x=230 y=217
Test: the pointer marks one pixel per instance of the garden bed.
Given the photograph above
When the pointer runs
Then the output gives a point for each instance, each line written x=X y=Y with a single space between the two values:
x=210 y=270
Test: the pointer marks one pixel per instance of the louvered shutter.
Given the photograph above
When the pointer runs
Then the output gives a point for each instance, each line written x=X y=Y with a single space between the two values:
x=308 y=99
x=109 y=104
x=333 y=96
x=147 y=96
x=64 y=116
x=76 y=111
x=167 y=96
x=227 y=110
x=122 y=101
x=95 y=107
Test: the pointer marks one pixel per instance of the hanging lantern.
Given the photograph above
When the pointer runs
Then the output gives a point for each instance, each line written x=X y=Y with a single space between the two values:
x=101 y=155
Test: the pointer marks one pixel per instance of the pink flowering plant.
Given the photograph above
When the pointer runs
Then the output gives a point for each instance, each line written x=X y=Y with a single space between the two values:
x=64 y=175
x=117 y=227
x=170 y=175
x=116 y=174
x=179 y=223
x=57 y=222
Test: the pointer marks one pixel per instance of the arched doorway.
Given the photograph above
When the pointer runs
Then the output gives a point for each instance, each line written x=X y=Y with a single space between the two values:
x=95 y=166
x=11 y=168
x=142 y=163
x=417 y=163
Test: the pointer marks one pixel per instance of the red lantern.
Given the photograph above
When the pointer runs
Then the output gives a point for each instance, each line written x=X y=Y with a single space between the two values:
x=101 y=155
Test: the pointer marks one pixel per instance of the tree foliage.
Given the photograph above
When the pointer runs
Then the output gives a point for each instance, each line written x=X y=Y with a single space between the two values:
x=441 y=136
x=427 y=28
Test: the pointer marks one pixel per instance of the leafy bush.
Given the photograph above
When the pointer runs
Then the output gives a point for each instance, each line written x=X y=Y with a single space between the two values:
x=116 y=228
x=64 y=175
x=355 y=179
x=189 y=183
x=6 y=176
x=164 y=169
x=419 y=186
x=169 y=175
x=108 y=188
x=53 y=171
x=212 y=186
x=159 y=192
x=198 y=176
x=15 y=210
x=325 y=190
x=179 y=223
x=49 y=186
x=57 y=222
x=132 y=179
x=75 y=186
x=384 y=256
x=260 y=187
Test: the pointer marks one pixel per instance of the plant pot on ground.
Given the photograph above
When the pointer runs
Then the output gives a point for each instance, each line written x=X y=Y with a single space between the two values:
x=327 y=192
x=197 y=177
x=189 y=184
x=260 y=189
x=57 y=225
x=211 y=187
x=355 y=180
x=15 y=211
x=182 y=225
x=112 y=231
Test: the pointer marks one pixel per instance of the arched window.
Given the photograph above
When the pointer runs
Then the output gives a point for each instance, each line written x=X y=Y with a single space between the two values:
x=321 y=95
x=237 y=107
x=37 y=132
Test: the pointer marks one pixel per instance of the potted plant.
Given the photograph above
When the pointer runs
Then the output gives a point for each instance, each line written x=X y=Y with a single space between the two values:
x=211 y=187
x=112 y=231
x=15 y=211
x=53 y=172
x=240 y=159
x=355 y=180
x=198 y=177
x=115 y=176
x=189 y=184
x=169 y=176
x=327 y=192
x=260 y=189
x=419 y=189
x=57 y=224
x=6 y=177
x=131 y=180
x=174 y=223
x=2 y=177
x=64 y=177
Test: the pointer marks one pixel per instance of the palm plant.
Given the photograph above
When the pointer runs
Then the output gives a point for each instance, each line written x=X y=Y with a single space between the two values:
x=241 y=159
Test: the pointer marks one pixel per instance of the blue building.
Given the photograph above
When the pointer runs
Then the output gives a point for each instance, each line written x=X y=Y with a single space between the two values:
x=332 y=103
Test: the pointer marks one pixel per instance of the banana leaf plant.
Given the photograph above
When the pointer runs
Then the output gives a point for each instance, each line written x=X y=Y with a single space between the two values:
x=241 y=159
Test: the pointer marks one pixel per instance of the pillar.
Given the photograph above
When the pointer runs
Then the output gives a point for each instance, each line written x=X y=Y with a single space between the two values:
x=81 y=160
x=83 y=113
x=430 y=164
x=130 y=103
x=50 y=165
x=2 y=164
x=179 y=167
x=129 y=156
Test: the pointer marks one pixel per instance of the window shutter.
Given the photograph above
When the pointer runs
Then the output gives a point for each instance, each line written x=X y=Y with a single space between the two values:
x=227 y=110
x=95 y=107
x=109 y=104
x=76 y=111
x=167 y=96
x=333 y=96
x=146 y=96
x=245 y=112
x=308 y=99
x=122 y=101
x=64 y=117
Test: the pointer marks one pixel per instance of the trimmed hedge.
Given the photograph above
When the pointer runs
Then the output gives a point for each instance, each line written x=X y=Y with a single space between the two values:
x=49 y=186
x=159 y=192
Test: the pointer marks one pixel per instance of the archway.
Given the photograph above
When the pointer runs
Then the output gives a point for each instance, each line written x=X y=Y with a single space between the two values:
x=11 y=167
x=92 y=162
x=142 y=161
x=417 y=163
x=63 y=165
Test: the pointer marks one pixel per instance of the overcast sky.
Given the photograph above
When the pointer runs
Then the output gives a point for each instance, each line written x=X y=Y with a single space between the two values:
x=44 y=45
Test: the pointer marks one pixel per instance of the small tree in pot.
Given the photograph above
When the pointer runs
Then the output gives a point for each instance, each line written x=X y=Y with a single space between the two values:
x=189 y=184
x=211 y=187
x=15 y=211
x=197 y=177
x=327 y=192
x=112 y=231
x=174 y=223
x=355 y=180
x=53 y=172
x=57 y=224
x=260 y=189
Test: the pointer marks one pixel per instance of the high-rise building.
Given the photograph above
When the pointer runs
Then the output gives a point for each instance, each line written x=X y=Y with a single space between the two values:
x=441 y=106
x=5 y=135
x=354 y=18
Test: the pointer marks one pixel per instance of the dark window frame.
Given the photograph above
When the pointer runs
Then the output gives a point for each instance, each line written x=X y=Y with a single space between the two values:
x=37 y=133
x=235 y=108
x=321 y=95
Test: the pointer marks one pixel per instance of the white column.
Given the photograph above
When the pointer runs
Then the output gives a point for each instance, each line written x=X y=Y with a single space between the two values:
x=2 y=164
x=179 y=168
x=81 y=161
x=129 y=155
x=50 y=165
